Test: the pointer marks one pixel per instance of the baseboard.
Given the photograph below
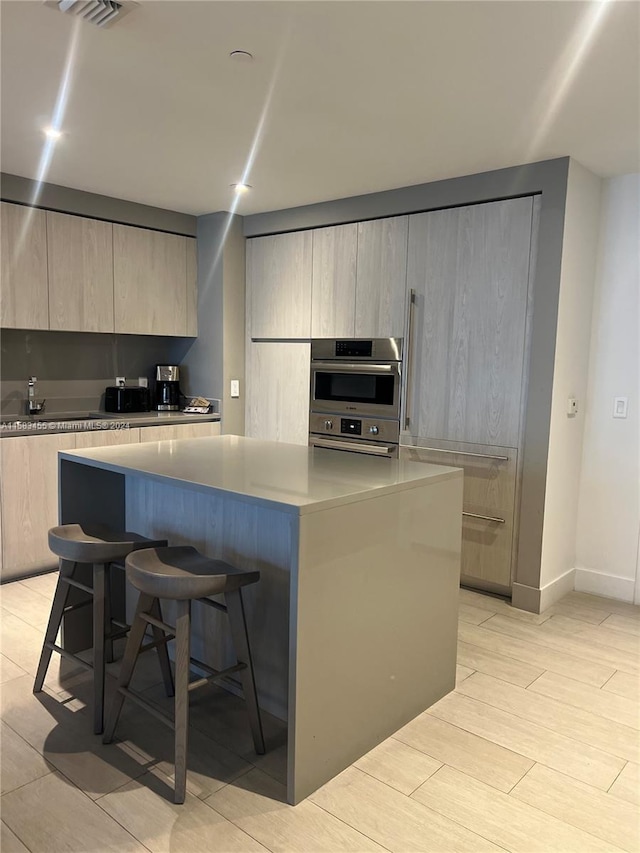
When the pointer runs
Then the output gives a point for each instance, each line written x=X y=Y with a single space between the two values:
x=535 y=599
x=608 y=586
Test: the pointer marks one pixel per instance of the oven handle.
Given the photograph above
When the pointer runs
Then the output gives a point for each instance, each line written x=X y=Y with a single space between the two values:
x=375 y=449
x=363 y=367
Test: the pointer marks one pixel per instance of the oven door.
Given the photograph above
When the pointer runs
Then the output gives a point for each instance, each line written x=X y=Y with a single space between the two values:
x=370 y=448
x=356 y=388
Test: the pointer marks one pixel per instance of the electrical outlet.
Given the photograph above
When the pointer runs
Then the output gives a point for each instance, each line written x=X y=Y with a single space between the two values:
x=143 y=382
x=572 y=406
x=235 y=388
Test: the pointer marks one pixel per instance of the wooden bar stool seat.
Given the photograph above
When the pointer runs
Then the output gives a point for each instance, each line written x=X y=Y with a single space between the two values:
x=101 y=548
x=184 y=575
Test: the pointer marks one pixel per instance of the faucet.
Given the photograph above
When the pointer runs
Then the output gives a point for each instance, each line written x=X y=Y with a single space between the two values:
x=34 y=407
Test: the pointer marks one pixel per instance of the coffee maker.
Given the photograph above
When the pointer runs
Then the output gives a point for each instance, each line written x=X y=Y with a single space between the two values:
x=167 y=387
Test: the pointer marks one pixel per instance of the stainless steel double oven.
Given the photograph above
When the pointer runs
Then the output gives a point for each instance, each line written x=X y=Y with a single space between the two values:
x=355 y=395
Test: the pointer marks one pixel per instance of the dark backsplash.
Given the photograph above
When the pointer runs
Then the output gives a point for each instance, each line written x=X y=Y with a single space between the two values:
x=83 y=355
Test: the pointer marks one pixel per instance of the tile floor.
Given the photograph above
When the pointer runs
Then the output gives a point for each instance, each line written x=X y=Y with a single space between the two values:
x=536 y=750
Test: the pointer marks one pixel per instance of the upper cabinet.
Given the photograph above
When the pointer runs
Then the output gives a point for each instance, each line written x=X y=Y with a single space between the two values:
x=333 y=295
x=279 y=270
x=70 y=273
x=150 y=281
x=24 y=302
x=80 y=261
x=381 y=279
x=470 y=269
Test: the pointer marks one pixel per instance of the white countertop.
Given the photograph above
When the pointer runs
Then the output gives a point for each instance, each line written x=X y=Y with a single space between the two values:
x=294 y=478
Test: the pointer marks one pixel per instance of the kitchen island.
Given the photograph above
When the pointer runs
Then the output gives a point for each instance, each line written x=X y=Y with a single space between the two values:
x=353 y=624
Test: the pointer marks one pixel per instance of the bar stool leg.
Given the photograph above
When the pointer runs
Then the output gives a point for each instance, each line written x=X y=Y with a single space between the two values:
x=134 y=641
x=108 y=643
x=183 y=656
x=99 y=598
x=238 y=624
x=163 y=652
x=55 y=618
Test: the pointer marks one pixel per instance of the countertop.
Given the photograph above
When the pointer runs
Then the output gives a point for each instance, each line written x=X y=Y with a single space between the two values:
x=66 y=422
x=291 y=477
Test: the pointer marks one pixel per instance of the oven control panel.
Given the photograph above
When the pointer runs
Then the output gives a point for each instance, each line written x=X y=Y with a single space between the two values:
x=368 y=428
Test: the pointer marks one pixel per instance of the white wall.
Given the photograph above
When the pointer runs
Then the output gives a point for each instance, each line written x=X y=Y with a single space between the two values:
x=609 y=506
x=577 y=279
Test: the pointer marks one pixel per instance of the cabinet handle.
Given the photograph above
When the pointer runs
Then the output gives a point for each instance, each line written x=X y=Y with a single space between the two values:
x=409 y=358
x=484 y=517
x=460 y=453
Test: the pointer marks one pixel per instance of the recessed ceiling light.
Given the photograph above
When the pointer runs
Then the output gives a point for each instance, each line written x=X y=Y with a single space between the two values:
x=241 y=189
x=52 y=132
x=241 y=56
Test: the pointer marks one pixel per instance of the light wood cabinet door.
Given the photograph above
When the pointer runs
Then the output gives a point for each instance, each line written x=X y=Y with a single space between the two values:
x=24 y=298
x=333 y=294
x=29 y=492
x=279 y=285
x=381 y=278
x=80 y=262
x=168 y=432
x=106 y=438
x=150 y=281
x=277 y=403
x=192 y=287
x=470 y=269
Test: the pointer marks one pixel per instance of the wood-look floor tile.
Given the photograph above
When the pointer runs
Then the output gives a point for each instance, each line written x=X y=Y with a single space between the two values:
x=9 y=669
x=67 y=820
x=594 y=699
x=499 y=605
x=573 y=722
x=397 y=822
x=477 y=756
x=65 y=738
x=572 y=644
x=21 y=763
x=9 y=841
x=273 y=762
x=492 y=663
x=583 y=806
x=256 y=803
x=622 y=623
x=540 y=656
x=601 y=634
x=507 y=822
x=145 y=808
x=624 y=684
x=529 y=739
x=19 y=641
x=577 y=611
x=608 y=605
x=398 y=765
x=472 y=615
x=44 y=584
x=209 y=765
x=26 y=604
x=627 y=785
x=463 y=672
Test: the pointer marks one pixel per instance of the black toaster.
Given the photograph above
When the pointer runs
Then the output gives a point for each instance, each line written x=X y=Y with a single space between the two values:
x=125 y=400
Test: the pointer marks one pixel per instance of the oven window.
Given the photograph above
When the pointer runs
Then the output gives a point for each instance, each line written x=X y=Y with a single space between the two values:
x=354 y=388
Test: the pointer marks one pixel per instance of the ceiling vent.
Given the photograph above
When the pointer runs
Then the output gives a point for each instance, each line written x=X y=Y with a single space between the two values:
x=102 y=13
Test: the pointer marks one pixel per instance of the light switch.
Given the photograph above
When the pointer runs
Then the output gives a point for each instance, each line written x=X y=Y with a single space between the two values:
x=235 y=387
x=620 y=407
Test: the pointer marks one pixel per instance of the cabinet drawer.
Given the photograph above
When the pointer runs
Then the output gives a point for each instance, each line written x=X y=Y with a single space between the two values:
x=488 y=505
x=489 y=473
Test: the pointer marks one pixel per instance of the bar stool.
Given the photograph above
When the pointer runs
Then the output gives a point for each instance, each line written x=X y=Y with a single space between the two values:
x=184 y=575
x=100 y=548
